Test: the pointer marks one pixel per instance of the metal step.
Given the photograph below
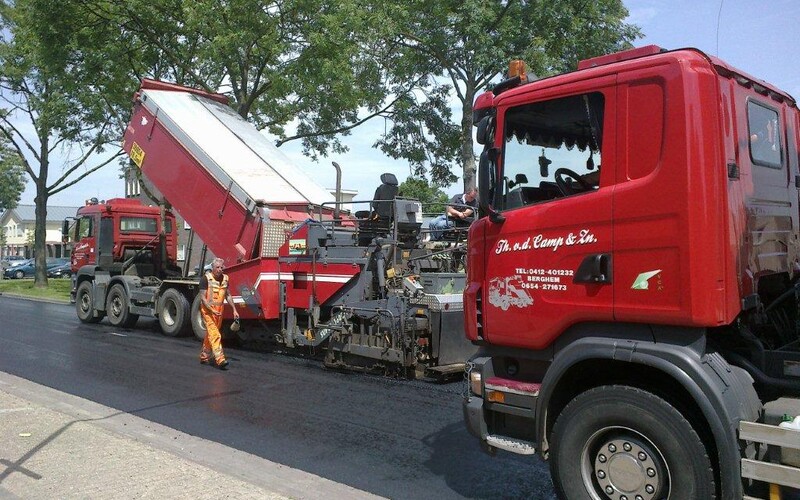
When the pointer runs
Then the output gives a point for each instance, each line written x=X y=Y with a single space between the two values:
x=448 y=369
x=513 y=445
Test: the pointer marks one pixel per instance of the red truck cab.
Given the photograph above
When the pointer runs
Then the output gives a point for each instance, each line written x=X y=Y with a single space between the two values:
x=645 y=210
x=117 y=229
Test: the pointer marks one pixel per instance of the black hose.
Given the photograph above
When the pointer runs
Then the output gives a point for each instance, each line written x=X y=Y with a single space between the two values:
x=782 y=386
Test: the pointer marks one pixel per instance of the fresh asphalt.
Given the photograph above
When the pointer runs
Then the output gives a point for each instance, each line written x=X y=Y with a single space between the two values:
x=392 y=438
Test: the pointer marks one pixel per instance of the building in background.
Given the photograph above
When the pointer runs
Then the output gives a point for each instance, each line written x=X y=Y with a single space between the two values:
x=348 y=195
x=18 y=226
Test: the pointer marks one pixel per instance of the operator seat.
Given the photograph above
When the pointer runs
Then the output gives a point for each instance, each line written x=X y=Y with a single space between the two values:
x=384 y=196
x=516 y=197
x=381 y=216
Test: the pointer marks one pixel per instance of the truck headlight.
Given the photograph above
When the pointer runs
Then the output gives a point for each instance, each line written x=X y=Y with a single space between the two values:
x=475 y=382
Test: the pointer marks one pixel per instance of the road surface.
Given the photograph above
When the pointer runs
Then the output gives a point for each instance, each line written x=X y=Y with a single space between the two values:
x=393 y=438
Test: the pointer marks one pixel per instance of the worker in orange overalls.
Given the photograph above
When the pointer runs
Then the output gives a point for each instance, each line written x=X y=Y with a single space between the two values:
x=213 y=295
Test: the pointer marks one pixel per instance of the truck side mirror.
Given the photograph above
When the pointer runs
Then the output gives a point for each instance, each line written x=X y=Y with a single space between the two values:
x=486 y=184
x=485 y=133
x=65 y=231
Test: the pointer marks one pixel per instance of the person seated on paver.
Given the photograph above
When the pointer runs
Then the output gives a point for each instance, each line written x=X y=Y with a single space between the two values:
x=460 y=212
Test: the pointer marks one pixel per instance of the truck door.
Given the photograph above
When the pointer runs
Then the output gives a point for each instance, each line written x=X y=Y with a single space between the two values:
x=105 y=243
x=548 y=265
x=83 y=252
x=772 y=206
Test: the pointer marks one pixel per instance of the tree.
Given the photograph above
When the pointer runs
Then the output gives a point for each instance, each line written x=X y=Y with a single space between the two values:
x=467 y=44
x=307 y=70
x=12 y=176
x=432 y=197
x=65 y=94
x=3 y=242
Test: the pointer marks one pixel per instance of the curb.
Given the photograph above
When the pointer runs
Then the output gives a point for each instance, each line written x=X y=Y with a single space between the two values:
x=70 y=427
x=35 y=299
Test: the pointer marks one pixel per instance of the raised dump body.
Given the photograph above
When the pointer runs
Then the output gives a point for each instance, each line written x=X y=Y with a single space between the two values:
x=215 y=168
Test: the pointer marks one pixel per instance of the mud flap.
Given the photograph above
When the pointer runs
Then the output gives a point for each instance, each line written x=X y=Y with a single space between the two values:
x=251 y=300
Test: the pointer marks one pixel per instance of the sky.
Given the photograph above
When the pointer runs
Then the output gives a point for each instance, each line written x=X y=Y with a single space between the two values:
x=761 y=38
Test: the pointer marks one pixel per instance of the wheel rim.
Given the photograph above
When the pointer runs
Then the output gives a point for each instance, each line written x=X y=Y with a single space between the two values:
x=170 y=312
x=622 y=464
x=85 y=302
x=116 y=305
x=20 y=275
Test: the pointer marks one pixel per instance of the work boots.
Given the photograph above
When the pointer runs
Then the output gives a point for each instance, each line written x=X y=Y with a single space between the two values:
x=220 y=362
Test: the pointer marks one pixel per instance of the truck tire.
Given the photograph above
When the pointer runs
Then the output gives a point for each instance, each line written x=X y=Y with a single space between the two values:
x=198 y=325
x=83 y=304
x=173 y=313
x=623 y=442
x=117 y=308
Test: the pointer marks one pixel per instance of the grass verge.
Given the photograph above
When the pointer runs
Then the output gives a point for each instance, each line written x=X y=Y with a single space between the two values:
x=57 y=289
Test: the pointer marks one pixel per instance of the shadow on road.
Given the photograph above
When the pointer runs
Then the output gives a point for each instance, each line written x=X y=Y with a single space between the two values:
x=471 y=473
x=17 y=465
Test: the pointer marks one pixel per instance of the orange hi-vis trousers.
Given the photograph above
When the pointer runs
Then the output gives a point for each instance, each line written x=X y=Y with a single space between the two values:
x=212 y=343
x=215 y=295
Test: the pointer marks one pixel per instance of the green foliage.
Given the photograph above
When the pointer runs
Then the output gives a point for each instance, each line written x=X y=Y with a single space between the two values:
x=424 y=135
x=12 y=177
x=62 y=93
x=432 y=197
x=303 y=69
x=462 y=46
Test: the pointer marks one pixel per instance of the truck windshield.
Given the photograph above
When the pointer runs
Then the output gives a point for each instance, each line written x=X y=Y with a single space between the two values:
x=553 y=149
x=138 y=224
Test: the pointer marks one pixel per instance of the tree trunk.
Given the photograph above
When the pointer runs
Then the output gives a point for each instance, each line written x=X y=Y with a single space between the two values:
x=40 y=230
x=467 y=153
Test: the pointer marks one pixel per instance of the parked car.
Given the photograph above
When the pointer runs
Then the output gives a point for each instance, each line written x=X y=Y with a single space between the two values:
x=28 y=268
x=8 y=272
x=10 y=260
x=60 y=271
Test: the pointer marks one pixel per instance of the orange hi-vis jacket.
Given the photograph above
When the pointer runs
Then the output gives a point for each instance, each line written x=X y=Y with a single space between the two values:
x=216 y=292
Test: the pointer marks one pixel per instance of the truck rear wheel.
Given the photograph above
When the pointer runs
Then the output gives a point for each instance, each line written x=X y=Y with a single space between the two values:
x=117 y=308
x=198 y=325
x=83 y=304
x=173 y=315
x=623 y=442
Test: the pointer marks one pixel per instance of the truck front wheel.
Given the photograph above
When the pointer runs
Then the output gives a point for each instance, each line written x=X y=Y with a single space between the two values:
x=84 y=305
x=173 y=315
x=623 y=442
x=118 y=309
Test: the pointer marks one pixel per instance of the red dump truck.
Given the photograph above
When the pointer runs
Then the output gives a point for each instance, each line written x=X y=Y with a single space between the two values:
x=645 y=209
x=368 y=293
